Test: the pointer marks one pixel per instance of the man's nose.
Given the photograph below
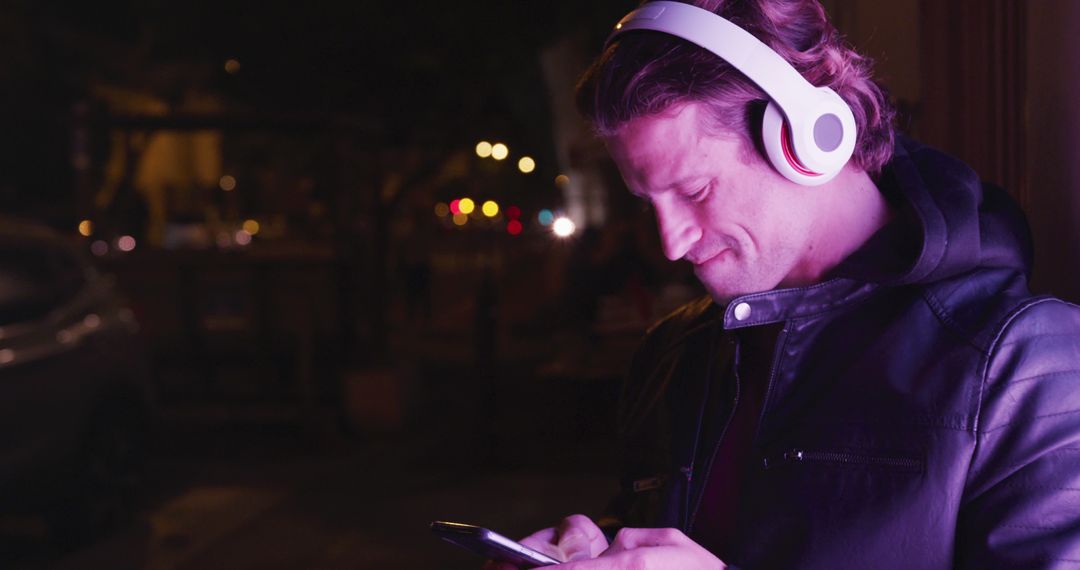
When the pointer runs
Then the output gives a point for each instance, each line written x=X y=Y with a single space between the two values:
x=678 y=232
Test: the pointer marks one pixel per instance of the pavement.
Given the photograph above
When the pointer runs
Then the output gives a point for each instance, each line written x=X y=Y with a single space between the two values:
x=513 y=441
x=279 y=497
x=514 y=451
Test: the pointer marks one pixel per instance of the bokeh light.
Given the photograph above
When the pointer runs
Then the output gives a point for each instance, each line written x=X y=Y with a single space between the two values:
x=490 y=209
x=513 y=212
x=562 y=180
x=441 y=209
x=563 y=227
x=460 y=219
x=92 y=321
x=99 y=247
x=499 y=151
x=86 y=228
x=455 y=206
x=466 y=205
x=526 y=164
x=242 y=238
x=227 y=183
x=251 y=227
x=125 y=243
x=232 y=66
x=545 y=217
x=483 y=149
x=513 y=227
x=225 y=240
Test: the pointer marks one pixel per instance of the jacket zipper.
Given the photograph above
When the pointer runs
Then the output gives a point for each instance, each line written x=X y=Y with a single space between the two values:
x=842 y=458
x=781 y=337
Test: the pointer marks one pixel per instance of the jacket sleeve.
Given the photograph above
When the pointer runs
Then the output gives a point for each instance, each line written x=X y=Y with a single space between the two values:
x=1021 y=505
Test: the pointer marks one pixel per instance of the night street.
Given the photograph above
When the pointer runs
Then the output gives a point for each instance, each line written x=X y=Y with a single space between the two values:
x=771 y=284
x=270 y=493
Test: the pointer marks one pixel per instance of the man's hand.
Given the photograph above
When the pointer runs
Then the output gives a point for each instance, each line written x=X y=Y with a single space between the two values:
x=579 y=542
x=576 y=538
x=648 y=548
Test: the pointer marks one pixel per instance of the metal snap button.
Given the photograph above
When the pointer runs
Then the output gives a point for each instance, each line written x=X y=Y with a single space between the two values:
x=742 y=311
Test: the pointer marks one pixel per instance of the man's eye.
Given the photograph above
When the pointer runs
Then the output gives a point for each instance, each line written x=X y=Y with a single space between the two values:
x=700 y=194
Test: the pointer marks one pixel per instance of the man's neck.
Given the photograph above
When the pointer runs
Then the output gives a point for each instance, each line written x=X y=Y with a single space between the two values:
x=851 y=209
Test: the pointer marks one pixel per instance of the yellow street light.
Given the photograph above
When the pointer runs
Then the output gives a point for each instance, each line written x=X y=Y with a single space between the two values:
x=483 y=149
x=526 y=164
x=499 y=151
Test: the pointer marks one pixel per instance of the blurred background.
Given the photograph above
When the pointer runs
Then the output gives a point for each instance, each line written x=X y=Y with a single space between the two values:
x=280 y=283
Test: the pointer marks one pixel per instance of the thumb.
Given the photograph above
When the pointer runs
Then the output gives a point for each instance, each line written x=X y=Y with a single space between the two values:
x=575 y=545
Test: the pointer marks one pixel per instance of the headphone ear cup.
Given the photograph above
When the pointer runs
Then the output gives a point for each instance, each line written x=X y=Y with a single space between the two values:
x=776 y=138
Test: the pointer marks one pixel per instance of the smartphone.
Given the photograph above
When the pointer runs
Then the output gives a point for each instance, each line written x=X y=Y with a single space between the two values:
x=491 y=544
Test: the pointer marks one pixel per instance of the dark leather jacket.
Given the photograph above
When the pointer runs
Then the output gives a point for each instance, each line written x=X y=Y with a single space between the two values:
x=921 y=414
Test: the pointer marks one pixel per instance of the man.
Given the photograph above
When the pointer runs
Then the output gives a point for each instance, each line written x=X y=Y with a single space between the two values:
x=870 y=383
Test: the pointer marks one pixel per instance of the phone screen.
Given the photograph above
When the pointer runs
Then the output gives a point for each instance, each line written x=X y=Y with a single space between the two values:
x=491 y=544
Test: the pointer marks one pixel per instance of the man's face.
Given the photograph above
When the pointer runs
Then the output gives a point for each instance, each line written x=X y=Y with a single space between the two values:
x=743 y=226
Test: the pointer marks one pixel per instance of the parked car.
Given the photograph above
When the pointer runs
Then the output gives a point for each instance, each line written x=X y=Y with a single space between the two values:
x=75 y=395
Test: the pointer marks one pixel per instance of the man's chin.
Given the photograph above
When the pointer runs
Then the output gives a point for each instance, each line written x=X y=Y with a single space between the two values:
x=719 y=289
x=721 y=284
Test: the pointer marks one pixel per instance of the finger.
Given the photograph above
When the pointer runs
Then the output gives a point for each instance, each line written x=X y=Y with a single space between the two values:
x=631 y=538
x=580 y=538
x=544 y=541
x=544 y=536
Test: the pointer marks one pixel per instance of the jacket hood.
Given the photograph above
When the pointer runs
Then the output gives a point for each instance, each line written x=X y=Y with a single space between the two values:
x=948 y=222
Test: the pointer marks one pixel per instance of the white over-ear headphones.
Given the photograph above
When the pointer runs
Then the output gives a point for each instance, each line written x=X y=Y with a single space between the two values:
x=820 y=131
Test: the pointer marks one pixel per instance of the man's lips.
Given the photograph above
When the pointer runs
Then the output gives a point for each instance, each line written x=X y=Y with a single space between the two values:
x=700 y=259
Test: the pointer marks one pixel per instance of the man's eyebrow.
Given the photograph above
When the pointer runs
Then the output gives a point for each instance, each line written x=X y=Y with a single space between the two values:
x=683 y=182
x=680 y=183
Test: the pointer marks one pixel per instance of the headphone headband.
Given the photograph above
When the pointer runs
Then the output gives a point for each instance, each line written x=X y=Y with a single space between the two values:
x=808 y=132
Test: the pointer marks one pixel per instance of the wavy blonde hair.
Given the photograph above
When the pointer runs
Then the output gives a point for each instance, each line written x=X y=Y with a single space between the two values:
x=644 y=73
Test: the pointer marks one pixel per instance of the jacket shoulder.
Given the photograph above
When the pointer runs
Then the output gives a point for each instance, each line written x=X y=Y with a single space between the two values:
x=978 y=304
x=1034 y=356
x=1020 y=507
x=653 y=365
x=687 y=319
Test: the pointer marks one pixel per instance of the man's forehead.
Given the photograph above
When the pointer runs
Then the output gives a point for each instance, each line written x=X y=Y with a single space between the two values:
x=665 y=150
x=679 y=123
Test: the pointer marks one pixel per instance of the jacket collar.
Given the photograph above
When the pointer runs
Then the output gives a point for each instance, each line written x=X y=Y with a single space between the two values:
x=786 y=304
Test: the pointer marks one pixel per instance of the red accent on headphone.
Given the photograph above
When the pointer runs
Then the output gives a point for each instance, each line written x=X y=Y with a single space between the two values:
x=789 y=154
